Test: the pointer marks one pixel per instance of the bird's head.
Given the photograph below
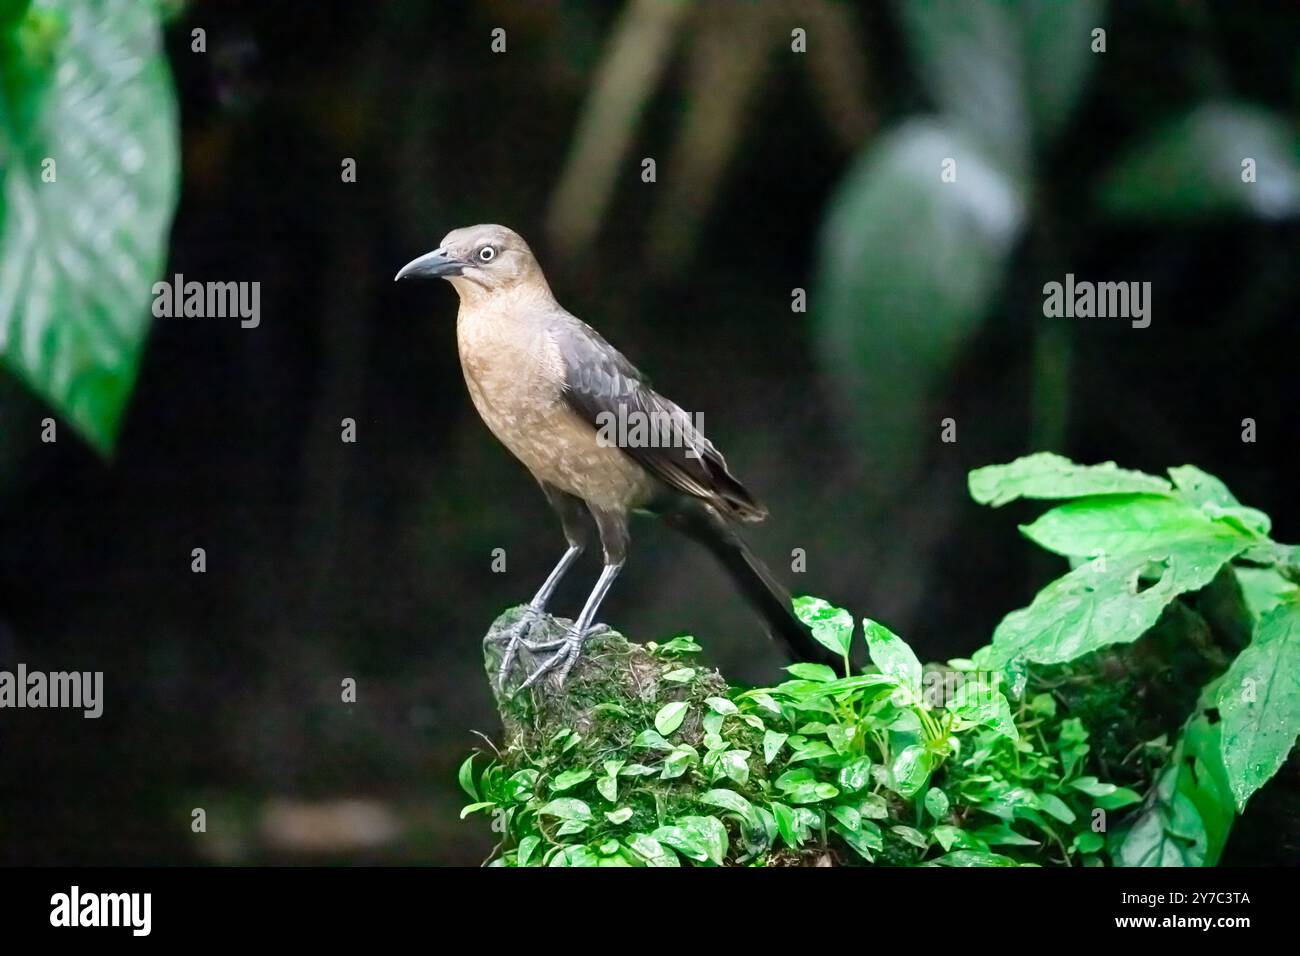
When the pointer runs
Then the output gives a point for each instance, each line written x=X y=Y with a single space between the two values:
x=477 y=260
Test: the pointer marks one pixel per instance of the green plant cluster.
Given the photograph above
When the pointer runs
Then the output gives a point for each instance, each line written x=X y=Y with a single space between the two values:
x=1138 y=542
x=895 y=764
x=974 y=763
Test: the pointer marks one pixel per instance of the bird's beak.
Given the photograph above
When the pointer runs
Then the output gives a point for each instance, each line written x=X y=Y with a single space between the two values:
x=432 y=265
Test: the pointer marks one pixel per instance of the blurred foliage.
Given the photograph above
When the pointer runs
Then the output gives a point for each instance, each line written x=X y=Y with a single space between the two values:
x=88 y=182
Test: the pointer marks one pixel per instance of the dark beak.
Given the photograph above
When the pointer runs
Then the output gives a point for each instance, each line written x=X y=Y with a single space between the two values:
x=432 y=265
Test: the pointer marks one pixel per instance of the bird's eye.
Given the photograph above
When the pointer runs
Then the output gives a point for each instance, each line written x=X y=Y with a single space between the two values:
x=487 y=254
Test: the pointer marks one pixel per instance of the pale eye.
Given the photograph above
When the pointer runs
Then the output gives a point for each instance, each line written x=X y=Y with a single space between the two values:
x=487 y=254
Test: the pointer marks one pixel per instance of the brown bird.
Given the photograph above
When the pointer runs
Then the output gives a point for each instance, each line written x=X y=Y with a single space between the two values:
x=593 y=433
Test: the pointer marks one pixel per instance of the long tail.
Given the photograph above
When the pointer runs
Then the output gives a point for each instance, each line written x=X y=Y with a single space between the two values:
x=702 y=523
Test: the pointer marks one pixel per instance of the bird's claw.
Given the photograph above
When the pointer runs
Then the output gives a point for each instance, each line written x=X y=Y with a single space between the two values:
x=570 y=648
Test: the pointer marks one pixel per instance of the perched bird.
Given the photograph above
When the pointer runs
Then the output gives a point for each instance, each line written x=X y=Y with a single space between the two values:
x=593 y=433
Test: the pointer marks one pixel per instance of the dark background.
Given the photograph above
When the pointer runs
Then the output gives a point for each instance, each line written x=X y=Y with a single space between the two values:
x=372 y=560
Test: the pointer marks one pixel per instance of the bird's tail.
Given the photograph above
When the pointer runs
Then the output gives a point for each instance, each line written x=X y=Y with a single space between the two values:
x=702 y=523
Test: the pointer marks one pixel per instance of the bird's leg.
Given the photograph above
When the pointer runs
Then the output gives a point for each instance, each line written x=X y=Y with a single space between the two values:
x=519 y=633
x=571 y=646
x=612 y=526
x=570 y=510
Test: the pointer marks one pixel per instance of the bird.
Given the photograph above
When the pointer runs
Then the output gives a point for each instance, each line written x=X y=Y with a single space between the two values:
x=595 y=435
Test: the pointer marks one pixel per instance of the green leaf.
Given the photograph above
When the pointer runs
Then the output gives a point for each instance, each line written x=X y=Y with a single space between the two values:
x=865 y=840
x=908 y=267
x=735 y=803
x=894 y=658
x=607 y=787
x=1046 y=475
x=566 y=808
x=773 y=741
x=680 y=675
x=575 y=856
x=735 y=765
x=1259 y=703
x=621 y=815
x=1192 y=168
x=973 y=858
x=978 y=702
x=910 y=770
x=910 y=835
x=1167 y=832
x=697 y=837
x=652 y=740
x=670 y=716
x=1054 y=806
x=936 y=803
x=720 y=705
x=675 y=763
x=1090 y=608
x=466 y=777
x=831 y=626
x=1117 y=525
x=79 y=255
x=855 y=774
x=787 y=825
x=475 y=808
x=1264 y=589
x=651 y=850
x=569 y=779
x=527 y=847
x=814 y=672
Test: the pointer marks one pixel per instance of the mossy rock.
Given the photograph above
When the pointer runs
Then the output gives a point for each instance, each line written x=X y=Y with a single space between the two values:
x=612 y=693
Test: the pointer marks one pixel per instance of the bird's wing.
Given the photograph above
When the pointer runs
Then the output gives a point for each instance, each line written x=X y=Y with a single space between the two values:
x=607 y=391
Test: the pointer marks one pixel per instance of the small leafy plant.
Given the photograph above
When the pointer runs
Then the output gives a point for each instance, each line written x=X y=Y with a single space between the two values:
x=977 y=762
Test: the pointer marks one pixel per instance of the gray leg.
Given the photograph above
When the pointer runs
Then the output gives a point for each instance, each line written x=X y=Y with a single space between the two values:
x=575 y=532
x=613 y=538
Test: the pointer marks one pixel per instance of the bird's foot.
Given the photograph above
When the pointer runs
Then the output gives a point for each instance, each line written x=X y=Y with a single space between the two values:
x=516 y=637
x=570 y=647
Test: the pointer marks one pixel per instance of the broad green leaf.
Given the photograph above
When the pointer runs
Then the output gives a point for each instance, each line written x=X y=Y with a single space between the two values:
x=607 y=787
x=979 y=702
x=865 y=840
x=466 y=777
x=735 y=765
x=527 y=847
x=680 y=675
x=475 y=808
x=773 y=741
x=910 y=835
x=893 y=657
x=1166 y=832
x=910 y=770
x=908 y=267
x=575 y=856
x=698 y=837
x=831 y=626
x=849 y=817
x=652 y=851
x=670 y=716
x=735 y=803
x=855 y=774
x=1193 y=168
x=1115 y=525
x=675 y=763
x=936 y=803
x=566 y=808
x=621 y=815
x=79 y=255
x=652 y=740
x=1046 y=475
x=973 y=858
x=720 y=705
x=787 y=825
x=1091 y=608
x=1265 y=589
x=1054 y=806
x=569 y=779
x=1259 y=703
x=814 y=672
